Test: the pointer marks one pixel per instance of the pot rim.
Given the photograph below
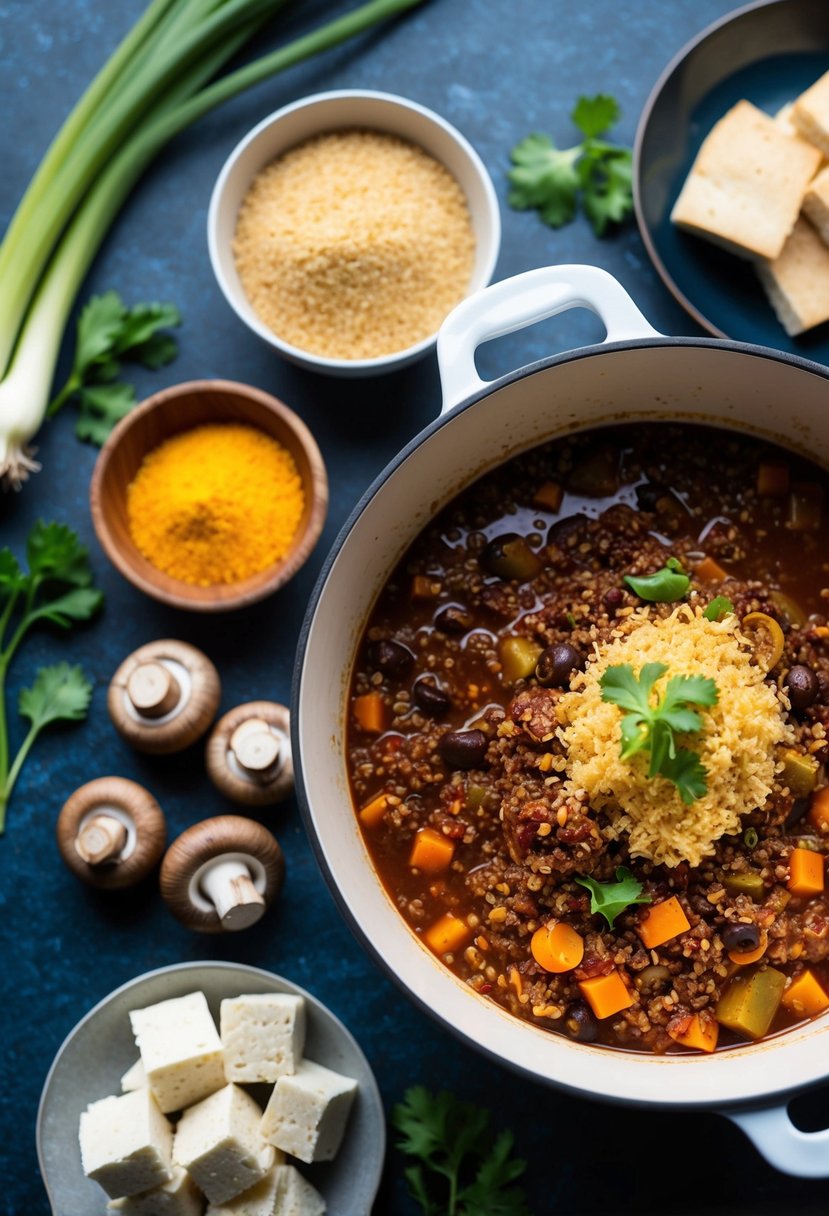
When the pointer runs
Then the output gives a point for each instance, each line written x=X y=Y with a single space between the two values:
x=776 y=1094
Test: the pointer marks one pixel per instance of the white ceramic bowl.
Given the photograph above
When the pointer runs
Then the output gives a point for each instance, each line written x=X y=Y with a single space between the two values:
x=95 y=1055
x=347 y=108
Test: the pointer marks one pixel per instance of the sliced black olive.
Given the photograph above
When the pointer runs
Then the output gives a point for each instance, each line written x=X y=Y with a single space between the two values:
x=463 y=748
x=430 y=698
x=509 y=556
x=579 y=1023
x=562 y=528
x=741 y=937
x=802 y=686
x=557 y=663
x=389 y=657
x=454 y=619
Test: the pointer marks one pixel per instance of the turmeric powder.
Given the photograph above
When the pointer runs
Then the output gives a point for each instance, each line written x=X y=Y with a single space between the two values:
x=215 y=504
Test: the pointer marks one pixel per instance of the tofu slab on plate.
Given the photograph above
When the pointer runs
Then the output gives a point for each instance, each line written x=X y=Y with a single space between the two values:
x=101 y=1050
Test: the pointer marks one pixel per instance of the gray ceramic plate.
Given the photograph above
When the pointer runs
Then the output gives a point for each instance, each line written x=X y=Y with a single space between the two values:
x=101 y=1048
x=767 y=52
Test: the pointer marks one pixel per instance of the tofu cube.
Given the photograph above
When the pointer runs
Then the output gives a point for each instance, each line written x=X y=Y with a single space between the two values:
x=219 y=1143
x=816 y=204
x=810 y=114
x=263 y=1035
x=797 y=282
x=178 y=1197
x=307 y=1112
x=134 y=1078
x=126 y=1143
x=180 y=1049
x=746 y=185
x=282 y=1192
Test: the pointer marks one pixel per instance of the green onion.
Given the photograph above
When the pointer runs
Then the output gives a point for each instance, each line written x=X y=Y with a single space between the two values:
x=161 y=79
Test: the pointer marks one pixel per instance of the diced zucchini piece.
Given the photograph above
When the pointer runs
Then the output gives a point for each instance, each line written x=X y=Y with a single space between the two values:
x=799 y=772
x=748 y=883
x=519 y=656
x=750 y=1002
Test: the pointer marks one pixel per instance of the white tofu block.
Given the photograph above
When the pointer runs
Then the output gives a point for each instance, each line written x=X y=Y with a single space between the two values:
x=307 y=1112
x=134 y=1078
x=126 y=1143
x=263 y=1035
x=816 y=204
x=282 y=1192
x=746 y=185
x=797 y=282
x=810 y=113
x=180 y=1049
x=219 y=1143
x=178 y=1197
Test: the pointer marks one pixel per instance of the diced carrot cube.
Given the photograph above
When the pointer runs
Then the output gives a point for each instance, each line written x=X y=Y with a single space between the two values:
x=805 y=872
x=606 y=994
x=424 y=588
x=699 y=1034
x=374 y=812
x=819 y=810
x=448 y=933
x=709 y=571
x=431 y=851
x=548 y=496
x=662 y=922
x=370 y=712
x=805 y=996
x=557 y=948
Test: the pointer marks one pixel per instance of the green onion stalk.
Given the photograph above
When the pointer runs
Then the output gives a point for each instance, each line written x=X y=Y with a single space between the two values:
x=159 y=81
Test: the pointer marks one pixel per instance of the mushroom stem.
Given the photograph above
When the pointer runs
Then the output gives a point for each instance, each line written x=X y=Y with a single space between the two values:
x=101 y=839
x=153 y=690
x=256 y=748
x=229 y=886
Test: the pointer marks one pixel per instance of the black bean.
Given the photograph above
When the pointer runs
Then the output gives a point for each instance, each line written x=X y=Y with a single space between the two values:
x=613 y=598
x=562 y=528
x=454 y=618
x=741 y=937
x=463 y=748
x=802 y=686
x=430 y=698
x=557 y=663
x=389 y=656
x=579 y=1023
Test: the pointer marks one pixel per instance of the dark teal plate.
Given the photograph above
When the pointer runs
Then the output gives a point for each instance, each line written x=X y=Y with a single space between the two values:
x=767 y=53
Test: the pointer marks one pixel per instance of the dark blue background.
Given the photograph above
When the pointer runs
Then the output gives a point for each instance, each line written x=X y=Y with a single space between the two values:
x=498 y=69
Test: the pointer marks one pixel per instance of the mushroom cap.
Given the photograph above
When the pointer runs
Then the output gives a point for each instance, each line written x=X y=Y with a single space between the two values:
x=230 y=776
x=199 y=688
x=127 y=806
x=230 y=837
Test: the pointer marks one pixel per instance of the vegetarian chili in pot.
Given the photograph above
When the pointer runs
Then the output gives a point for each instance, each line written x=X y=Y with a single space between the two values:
x=587 y=737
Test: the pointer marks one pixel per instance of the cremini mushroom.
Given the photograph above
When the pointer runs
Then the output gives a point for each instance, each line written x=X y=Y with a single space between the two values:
x=164 y=696
x=222 y=874
x=111 y=832
x=249 y=754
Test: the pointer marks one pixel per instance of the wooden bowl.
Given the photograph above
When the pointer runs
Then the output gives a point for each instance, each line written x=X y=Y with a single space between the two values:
x=170 y=412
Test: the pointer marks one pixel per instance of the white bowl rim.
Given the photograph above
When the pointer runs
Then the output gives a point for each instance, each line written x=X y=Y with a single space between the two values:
x=296 y=353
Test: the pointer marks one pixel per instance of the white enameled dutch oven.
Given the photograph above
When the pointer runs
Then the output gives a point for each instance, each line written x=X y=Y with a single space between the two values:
x=635 y=374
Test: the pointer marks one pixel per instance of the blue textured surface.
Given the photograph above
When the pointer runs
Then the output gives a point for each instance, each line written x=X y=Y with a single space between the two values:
x=498 y=71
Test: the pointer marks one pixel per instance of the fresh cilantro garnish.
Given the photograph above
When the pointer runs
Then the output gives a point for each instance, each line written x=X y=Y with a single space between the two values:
x=109 y=332
x=648 y=726
x=460 y=1168
x=663 y=586
x=57 y=587
x=719 y=607
x=552 y=179
x=611 y=898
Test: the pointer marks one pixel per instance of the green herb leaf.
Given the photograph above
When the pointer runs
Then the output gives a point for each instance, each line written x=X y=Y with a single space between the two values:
x=650 y=725
x=460 y=1169
x=663 y=586
x=610 y=899
x=77 y=605
x=54 y=552
x=11 y=576
x=719 y=607
x=59 y=694
x=552 y=179
x=109 y=332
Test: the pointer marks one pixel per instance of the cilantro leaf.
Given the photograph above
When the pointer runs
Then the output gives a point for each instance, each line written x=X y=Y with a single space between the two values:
x=719 y=607
x=107 y=333
x=553 y=180
x=610 y=899
x=459 y=1168
x=59 y=694
x=11 y=576
x=663 y=586
x=55 y=552
x=650 y=725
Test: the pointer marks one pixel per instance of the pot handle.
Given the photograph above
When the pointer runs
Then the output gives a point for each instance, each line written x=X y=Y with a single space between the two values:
x=520 y=301
x=771 y=1131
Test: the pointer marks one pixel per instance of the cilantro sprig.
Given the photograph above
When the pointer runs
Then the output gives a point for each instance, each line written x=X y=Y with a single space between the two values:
x=459 y=1168
x=109 y=332
x=651 y=726
x=57 y=587
x=553 y=180
x=609 y=899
